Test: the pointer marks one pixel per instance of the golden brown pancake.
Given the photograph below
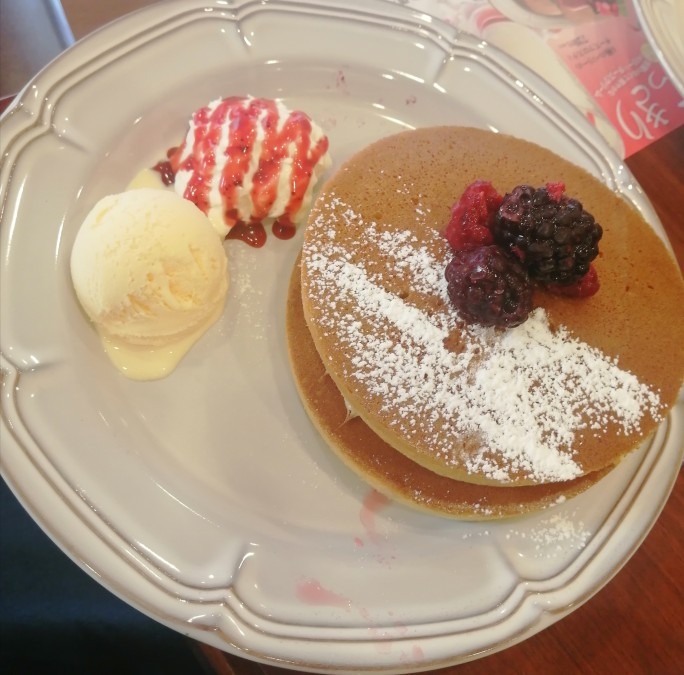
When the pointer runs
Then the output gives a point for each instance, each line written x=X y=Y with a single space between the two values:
x=567 y=394
x=382 y=466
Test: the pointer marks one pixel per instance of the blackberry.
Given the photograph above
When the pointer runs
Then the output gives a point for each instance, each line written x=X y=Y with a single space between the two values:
x=489 y=287
x=552 y=234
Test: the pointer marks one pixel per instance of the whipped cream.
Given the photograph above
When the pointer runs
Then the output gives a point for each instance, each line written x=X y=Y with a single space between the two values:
x=246 y=159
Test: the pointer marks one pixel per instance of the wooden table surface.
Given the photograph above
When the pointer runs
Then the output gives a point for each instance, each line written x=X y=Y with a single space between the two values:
x=635 y=624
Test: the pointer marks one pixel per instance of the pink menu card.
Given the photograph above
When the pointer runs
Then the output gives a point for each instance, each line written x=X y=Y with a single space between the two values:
x=610 y=56
x=593 y=51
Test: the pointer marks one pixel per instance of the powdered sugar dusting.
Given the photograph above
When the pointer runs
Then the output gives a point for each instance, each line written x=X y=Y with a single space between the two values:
x=554 y=536
x=500 y=404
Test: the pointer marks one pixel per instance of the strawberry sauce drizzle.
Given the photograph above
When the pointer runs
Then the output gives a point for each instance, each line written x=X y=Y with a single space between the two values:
x=292 y=141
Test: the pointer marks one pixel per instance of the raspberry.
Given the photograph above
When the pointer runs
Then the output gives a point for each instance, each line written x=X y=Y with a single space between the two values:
x=471 y=217
x=556 y=190
x=556 y=239
x=583 y=288
x=489 y=287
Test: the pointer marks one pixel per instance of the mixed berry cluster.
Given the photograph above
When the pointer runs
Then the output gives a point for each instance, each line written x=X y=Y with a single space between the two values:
x=503 y=246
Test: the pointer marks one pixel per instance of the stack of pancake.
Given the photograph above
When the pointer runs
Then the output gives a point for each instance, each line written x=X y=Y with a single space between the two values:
x=453 y=418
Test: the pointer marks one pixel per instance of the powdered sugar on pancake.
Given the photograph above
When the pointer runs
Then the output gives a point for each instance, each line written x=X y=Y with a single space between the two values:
x=503 y=404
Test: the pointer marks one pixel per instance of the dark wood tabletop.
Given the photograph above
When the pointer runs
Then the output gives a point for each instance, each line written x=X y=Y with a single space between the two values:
x=635 y=624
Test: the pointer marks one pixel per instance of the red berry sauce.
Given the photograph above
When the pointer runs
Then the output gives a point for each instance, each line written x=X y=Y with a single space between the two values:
x=166 y=172
x=166 y=169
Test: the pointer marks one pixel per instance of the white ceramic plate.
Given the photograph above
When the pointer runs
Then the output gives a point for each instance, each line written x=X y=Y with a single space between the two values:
x=663 y=25
x=206 y=499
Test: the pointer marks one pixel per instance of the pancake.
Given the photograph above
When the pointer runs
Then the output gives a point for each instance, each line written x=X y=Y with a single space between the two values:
x=567 y=394
x=383 y=467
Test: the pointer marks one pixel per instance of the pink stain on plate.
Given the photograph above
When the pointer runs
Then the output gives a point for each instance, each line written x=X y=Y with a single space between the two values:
x=311 y=592
x=413 y=658
x=373 y=503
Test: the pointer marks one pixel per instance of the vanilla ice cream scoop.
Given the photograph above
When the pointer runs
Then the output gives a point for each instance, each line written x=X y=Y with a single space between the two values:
x=150 y=272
